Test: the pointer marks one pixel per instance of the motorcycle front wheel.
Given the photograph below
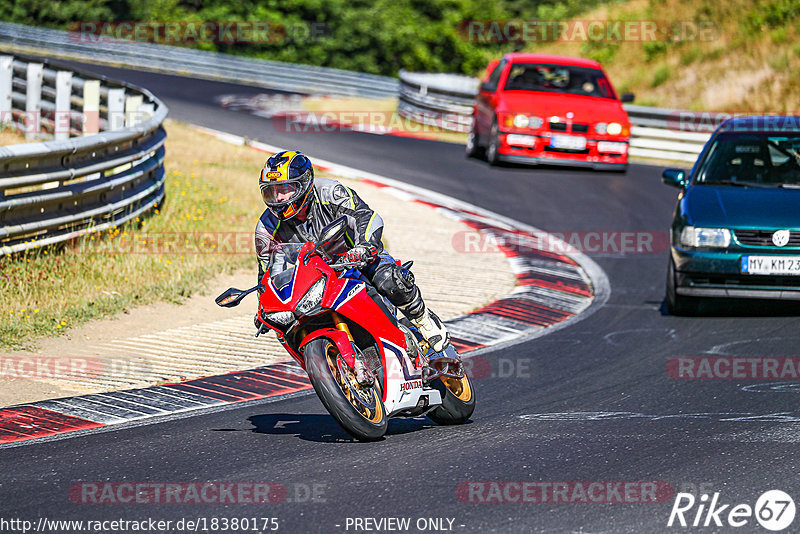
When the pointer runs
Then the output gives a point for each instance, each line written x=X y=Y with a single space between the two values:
x=458 y=400
x=359 y=410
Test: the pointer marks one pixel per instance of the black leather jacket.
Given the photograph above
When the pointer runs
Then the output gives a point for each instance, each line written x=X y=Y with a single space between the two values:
x=329 y=201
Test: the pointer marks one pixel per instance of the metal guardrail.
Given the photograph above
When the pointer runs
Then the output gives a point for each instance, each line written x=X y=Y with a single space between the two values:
x=445 y=100
x=196 y=63
x=57 y=190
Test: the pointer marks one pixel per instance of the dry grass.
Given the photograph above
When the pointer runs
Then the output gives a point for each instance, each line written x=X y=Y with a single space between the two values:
x=210 y=192
x=11 y=137
x=749 y=62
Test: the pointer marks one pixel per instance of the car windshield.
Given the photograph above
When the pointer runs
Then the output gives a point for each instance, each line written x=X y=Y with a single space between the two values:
x=558 y=79
x=759 y=159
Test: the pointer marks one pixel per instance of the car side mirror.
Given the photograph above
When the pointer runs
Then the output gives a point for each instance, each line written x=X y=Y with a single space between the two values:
x=627 y=98
x=490 y=68
x=674 y=178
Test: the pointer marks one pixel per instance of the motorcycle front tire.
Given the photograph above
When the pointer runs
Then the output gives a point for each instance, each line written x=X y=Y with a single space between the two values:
x=364 y=424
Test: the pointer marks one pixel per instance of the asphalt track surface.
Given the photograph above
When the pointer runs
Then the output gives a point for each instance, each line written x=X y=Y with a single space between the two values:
x=613 y=362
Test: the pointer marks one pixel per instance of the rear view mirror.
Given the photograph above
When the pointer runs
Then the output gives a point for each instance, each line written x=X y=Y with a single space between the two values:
x=333 y=230
x=674 y=178
x=232 y=297
x=330 y=241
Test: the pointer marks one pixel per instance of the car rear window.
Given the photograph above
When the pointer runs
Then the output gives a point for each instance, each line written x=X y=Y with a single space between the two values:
x=558 y=79
x=753 y=159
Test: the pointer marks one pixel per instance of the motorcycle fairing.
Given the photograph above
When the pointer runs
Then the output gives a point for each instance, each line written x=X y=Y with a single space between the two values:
x=284 y=292
x=407 y=394
x=401 y=355
x=339 y=338
x=349 y=290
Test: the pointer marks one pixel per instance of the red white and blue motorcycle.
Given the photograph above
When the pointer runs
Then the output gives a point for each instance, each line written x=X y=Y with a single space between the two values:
x=366 y=364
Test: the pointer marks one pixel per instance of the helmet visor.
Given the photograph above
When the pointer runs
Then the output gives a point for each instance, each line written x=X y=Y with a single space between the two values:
x=281 y=192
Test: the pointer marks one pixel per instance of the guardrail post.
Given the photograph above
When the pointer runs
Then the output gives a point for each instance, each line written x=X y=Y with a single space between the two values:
x=91 y=107
x=116 y=109
x=146 y=111
x=62 y=120
x=132 y=104
x=33 y=100
x=6 y=87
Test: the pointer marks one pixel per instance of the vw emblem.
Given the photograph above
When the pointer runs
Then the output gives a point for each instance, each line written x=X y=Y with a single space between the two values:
x=780 y=238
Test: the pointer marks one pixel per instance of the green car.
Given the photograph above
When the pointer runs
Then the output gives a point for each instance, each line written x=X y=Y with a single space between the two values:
x=736 y=228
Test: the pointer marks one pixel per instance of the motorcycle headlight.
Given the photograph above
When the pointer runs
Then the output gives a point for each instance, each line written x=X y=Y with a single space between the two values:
x=282 y=317
x=520 y=121
x=614 y=128
x=312 y=298
x=705 y=237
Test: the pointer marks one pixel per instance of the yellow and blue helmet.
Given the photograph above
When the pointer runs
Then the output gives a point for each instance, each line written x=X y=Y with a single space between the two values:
x=286 y=182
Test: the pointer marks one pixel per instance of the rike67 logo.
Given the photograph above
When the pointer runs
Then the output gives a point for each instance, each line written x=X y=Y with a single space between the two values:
x=774 y=510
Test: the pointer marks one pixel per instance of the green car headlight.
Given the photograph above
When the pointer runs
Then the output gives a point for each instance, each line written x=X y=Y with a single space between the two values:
x=695 y=237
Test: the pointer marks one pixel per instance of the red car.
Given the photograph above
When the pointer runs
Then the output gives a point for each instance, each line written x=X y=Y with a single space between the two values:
x=535 y=108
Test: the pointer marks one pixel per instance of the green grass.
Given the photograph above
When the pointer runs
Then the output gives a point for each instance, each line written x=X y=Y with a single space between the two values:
x=660 y=76
x=691 y=55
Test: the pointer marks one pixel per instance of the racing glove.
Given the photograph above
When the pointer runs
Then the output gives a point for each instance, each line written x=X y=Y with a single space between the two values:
x=361 y=254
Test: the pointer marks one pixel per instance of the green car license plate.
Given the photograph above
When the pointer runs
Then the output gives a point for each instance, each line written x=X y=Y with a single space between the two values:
x=771 y=265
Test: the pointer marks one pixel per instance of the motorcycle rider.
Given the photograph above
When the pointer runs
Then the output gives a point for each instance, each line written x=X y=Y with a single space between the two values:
x=299 y=207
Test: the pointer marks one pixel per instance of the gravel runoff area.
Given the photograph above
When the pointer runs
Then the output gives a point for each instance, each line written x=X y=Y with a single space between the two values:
x=165 y=343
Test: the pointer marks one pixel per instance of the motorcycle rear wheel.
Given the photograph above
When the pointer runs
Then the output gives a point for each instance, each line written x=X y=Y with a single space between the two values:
x=458 y=400
x=357 y=409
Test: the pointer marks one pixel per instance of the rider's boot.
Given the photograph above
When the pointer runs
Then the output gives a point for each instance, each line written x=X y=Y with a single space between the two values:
x=429 y=325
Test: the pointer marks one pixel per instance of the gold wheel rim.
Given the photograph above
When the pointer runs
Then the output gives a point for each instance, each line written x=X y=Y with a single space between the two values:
x=346 y=385
x=459 y=387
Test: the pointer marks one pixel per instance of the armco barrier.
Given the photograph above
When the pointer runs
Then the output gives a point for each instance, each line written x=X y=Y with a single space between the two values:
x=196 y=63
x=445 y=100
x=104 y=166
